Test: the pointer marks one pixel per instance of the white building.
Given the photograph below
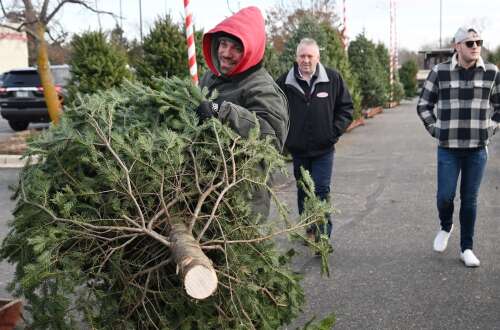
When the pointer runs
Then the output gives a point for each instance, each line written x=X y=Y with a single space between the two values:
x=13 y=49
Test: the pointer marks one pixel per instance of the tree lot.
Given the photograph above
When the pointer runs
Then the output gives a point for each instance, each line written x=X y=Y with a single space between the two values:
x=163 y=53
x=133 y=197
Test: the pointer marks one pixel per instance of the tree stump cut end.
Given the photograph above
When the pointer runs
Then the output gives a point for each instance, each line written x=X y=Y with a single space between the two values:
x=200 y=282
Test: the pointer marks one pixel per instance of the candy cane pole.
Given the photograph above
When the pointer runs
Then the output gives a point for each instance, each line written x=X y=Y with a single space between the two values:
x=345 y=38
x=193 y=71
x=391 y=52
x=396 y=56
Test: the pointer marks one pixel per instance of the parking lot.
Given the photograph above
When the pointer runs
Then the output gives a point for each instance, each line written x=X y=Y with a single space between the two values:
x=384 y=273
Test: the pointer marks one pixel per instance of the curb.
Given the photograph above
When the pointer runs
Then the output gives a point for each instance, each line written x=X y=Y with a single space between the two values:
x=11 y=161
x=355 y=123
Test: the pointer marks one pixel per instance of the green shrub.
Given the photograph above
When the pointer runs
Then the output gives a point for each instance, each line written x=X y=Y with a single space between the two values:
x=408 y=76
x=164 y=52
x=96 y=64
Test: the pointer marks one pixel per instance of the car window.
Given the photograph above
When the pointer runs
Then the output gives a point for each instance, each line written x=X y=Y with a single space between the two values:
x=21 y=78
x=31 y=78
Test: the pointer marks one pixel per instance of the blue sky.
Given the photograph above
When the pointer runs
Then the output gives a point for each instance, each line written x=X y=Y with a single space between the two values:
x=418 y=21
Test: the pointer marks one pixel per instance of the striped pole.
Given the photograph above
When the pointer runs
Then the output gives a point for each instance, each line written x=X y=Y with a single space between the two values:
x=396 y=56
x=391 y=53
x=345 y=38
x=193 y=71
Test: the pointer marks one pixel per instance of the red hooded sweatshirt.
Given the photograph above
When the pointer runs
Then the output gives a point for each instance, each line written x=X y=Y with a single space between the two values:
x=248 y=26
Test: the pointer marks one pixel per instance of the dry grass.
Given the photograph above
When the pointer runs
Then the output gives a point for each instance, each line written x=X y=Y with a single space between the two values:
x=16 y=145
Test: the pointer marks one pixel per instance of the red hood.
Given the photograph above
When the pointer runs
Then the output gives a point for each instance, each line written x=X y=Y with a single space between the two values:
x=248 y=26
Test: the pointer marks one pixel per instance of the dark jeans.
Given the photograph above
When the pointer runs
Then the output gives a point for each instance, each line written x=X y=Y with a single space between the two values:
x=470 y=165
x=320 y=168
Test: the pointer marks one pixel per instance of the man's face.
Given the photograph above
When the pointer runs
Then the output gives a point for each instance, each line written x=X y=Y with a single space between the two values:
x=229 y=54
x=307 y=59
x=469 y=50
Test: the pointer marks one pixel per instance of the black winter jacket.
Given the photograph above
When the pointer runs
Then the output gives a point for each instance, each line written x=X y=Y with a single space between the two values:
x=317 y=121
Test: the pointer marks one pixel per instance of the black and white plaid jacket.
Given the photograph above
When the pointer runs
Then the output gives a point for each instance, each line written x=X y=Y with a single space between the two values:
x=468 y=111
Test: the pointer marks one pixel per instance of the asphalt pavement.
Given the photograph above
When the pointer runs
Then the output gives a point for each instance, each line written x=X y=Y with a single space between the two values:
x=8 y=177
x=384 y=273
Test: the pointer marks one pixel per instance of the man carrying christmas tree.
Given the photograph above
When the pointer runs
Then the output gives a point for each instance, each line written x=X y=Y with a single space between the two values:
x=247 y=94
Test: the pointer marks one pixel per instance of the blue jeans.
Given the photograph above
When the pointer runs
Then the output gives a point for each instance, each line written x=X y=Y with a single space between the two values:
x=470 y=165
x=320 y=168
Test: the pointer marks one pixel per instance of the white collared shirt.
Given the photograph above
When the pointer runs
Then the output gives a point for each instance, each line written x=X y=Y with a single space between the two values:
x=455 y=63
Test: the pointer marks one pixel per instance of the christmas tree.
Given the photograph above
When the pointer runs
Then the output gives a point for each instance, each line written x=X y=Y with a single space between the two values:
x=138 y=217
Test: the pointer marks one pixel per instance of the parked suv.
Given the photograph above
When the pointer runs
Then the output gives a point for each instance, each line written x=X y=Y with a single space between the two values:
x=21 y=95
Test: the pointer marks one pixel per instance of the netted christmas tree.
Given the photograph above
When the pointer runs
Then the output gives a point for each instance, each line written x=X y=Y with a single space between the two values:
x=137 y=217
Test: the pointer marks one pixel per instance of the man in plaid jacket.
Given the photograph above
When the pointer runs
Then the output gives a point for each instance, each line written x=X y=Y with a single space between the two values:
x=466 y=91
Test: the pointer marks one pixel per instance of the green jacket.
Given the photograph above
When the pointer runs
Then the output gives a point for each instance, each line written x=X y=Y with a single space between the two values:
x=245 y=99
x=249 y=94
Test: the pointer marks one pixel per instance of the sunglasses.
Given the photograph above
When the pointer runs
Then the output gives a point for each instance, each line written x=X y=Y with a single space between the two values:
x=471 y=43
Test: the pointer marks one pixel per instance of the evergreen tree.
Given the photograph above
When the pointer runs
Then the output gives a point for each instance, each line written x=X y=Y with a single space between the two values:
x=383 y=58
x=307 y=27
x=398 y=89
x=110 y=222
x=164 y=52
x=364 y=62
x=272 y=62
x=96 y=64
x=134 y=54
x=494 y=57
x=334 y=56
x=408 y=75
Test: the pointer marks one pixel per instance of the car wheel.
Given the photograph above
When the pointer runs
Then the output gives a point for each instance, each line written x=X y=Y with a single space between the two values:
x=18 y=125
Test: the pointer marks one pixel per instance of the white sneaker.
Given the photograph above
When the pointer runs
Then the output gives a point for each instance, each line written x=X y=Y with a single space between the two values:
x=441 y=240
x=469 y=259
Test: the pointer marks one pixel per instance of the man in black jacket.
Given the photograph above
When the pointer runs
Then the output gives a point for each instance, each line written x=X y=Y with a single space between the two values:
x=320 y=109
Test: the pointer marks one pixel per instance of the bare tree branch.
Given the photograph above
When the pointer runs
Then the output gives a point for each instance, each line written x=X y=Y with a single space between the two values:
x=60 y=36
x=22 y=27
x=43 y=11
x=3 y=8
x=78 y=2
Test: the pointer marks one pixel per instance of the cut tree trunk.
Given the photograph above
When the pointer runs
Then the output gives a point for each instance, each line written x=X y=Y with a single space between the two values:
x=194 y=267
